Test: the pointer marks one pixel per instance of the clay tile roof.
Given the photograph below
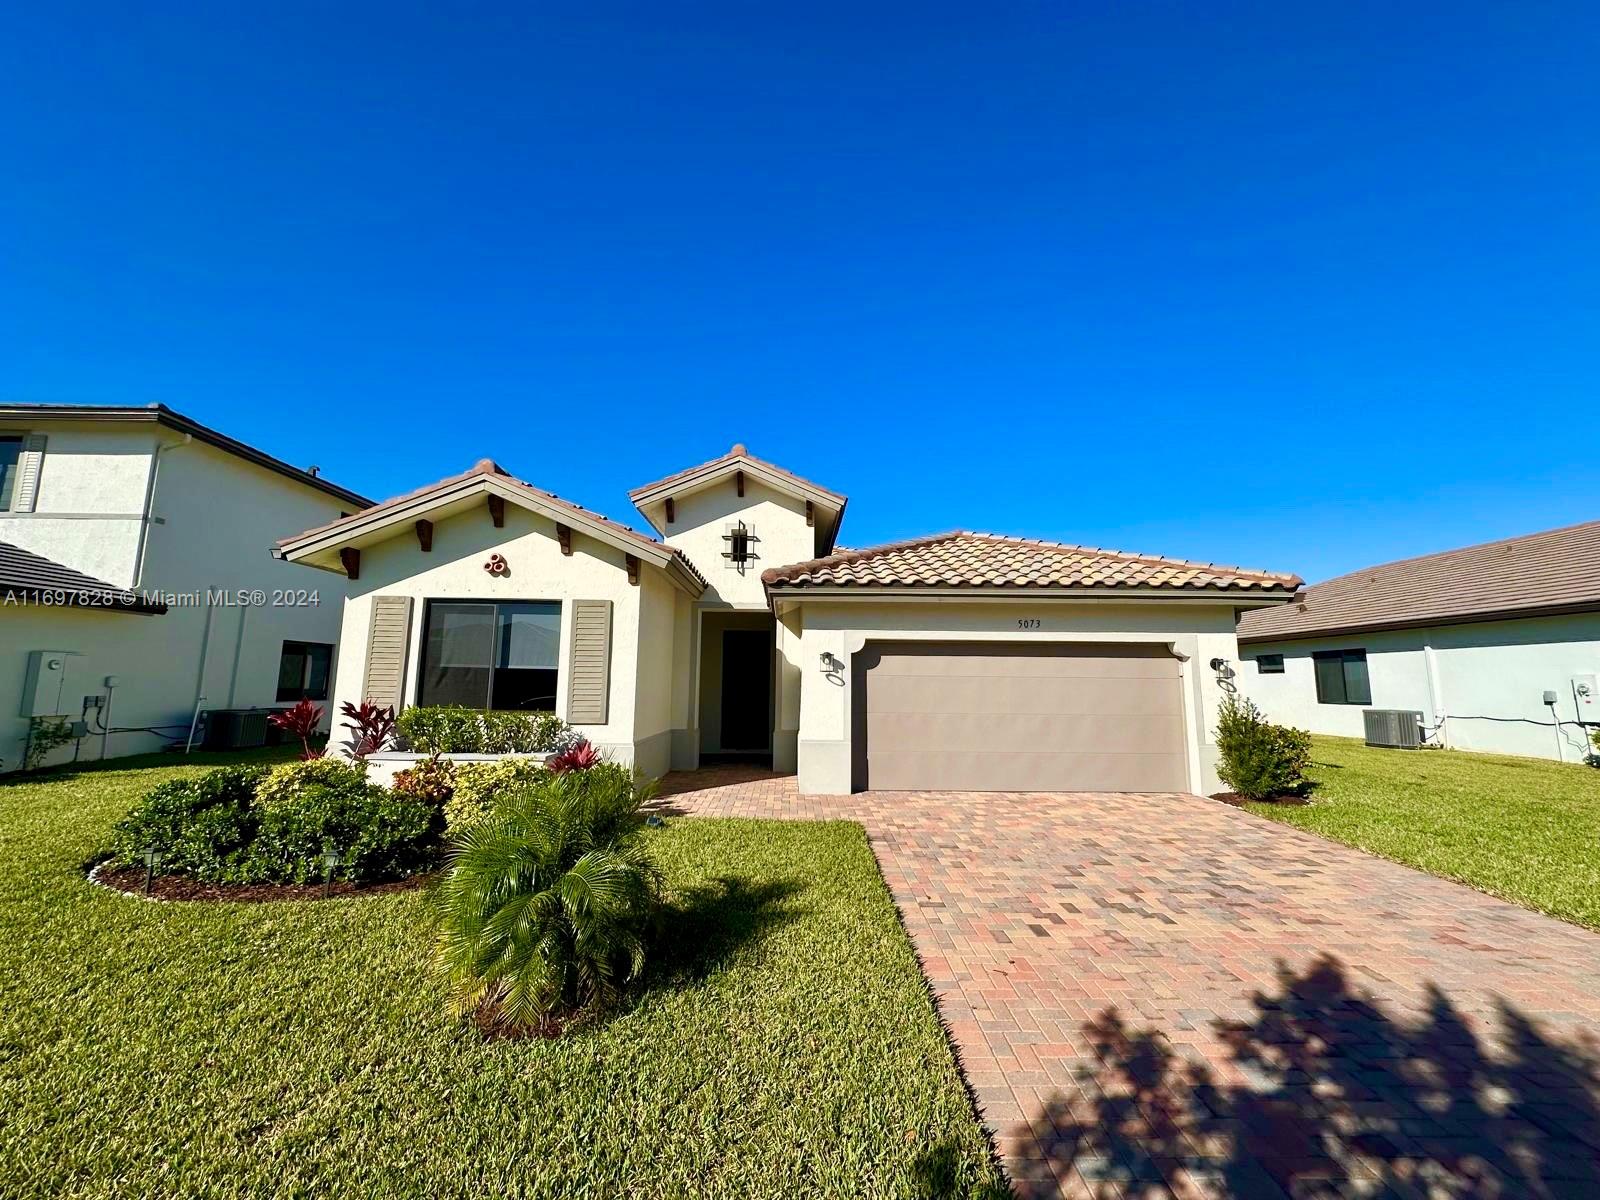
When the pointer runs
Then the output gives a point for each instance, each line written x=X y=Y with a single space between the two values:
x=739 y=451
x=1540 y=573
x=24 y=574
x=962 y=559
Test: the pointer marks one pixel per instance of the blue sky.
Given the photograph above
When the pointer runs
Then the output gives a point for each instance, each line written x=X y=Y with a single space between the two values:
x=1303 y=287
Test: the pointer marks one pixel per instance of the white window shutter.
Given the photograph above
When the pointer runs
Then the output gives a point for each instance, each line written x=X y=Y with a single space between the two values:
x=29 y=465
x=388 y=642
x=588 y=686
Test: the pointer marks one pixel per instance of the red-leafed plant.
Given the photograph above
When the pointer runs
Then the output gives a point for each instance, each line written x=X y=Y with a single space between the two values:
x=580 y=756
x=370 y=725
x=302 y=721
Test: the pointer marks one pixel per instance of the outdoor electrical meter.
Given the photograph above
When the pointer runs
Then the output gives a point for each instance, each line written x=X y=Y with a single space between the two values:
x=46 y=690
x=1583 y=695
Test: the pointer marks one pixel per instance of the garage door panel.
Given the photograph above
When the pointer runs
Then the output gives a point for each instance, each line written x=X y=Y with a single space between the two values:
x=1020 y=717
x=1030 y=772
x=915 y=693
x=1073 y=661
x=1018 y=734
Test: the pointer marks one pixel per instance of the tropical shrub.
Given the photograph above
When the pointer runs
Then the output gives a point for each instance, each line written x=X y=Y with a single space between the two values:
x=544 y=906
x=370 y=725
x=1260 y=759
x=201 y=826
x=478 y=786
x=432 y=779
x=378 y=834
x=283 y=783
x=452 y=729
x=580 y=756
x=301 y=721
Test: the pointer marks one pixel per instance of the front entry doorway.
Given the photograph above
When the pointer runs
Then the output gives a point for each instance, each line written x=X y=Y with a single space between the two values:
x=746 y=691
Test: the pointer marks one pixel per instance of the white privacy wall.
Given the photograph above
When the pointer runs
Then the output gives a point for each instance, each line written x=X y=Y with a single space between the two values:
x=1481 y=684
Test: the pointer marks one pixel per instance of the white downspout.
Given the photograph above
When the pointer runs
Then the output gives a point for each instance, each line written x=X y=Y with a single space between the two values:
x=148 y=516
x=1430 y=665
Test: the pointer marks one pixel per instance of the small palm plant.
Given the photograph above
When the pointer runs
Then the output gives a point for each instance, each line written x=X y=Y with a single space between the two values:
x=543 y=906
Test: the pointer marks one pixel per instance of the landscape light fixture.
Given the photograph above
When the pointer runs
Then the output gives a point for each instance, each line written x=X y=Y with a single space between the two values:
x=151 y=857
x=330 y=860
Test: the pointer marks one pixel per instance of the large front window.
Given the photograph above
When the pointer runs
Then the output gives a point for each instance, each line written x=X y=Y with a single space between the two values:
x=491 y=655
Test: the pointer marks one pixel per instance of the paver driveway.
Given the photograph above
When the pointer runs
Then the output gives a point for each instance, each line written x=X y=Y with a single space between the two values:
x=1161 y=992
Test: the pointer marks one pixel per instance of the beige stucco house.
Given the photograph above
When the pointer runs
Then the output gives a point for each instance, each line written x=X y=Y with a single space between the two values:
x=955 y=661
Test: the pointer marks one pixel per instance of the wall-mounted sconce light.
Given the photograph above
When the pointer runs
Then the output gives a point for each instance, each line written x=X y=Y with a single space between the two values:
x=830 y=664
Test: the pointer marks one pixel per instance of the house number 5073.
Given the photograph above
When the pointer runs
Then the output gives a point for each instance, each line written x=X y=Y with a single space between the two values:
x=1029 y=623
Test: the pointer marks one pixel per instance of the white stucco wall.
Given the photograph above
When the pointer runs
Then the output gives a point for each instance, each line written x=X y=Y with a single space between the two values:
x=1196 y=632
x=453 y=570
x=91 y=501
x=216 y=518
x=1486 y=687
x=703 y=518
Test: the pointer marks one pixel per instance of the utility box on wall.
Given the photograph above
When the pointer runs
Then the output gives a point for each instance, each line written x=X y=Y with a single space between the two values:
x=47 y=688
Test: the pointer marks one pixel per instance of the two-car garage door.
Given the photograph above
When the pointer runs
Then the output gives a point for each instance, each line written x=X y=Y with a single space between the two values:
x=971 y=716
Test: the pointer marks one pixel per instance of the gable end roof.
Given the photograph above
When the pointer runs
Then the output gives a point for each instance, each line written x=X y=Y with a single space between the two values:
x=1539 y=574
x=488 y=476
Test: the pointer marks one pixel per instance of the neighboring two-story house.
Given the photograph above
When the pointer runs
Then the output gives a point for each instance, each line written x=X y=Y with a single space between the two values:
x=957 y=661
x=136 y=583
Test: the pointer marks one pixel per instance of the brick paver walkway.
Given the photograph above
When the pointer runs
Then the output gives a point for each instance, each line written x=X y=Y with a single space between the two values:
x=1162 y=994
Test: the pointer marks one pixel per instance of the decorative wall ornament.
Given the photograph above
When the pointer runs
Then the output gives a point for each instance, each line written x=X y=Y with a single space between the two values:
x=497 y=565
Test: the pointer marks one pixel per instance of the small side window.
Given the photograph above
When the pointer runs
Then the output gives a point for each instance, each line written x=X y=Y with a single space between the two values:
x=1342 y=677
x=303 y=671
x=10 y=453
x=1269 y=664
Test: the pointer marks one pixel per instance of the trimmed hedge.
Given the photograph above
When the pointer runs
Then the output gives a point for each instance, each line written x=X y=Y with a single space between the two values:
x=1260 y=759
x=201 y=826
x=453 y=729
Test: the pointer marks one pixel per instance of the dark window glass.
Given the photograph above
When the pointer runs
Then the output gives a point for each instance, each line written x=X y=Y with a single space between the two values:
x=500 y=656
x=1269 y=664
x=529 y=640
x=456 y=655
x=10 y=451
x=303 y=671
x=1342 y=677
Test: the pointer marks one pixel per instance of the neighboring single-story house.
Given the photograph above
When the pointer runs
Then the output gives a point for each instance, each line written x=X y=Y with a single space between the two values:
x=956 y=661
x=1480 y=641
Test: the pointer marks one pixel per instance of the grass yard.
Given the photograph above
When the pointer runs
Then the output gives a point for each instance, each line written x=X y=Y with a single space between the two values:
x=1520 y=828
x=785 y=1046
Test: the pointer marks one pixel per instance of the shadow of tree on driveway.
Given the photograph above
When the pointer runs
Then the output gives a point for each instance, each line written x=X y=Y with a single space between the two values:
x=1327 y=1095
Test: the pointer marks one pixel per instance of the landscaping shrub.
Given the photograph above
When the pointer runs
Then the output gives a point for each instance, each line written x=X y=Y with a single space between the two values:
x=201 y=826
x=432 y=779
x=379 y=834
x=1260 y=759
x=302 y=720
x=284 y=783
x=543 y=909
x=452 y=729
x=371 y=726
x=479 y=786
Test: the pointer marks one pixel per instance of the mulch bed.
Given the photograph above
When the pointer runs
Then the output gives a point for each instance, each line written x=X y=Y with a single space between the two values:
x=1289 y=799
x=182 y=887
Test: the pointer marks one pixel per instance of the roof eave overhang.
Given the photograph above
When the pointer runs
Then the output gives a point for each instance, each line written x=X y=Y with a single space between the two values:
x=1423 y=622
x=182 y=424
x=319 y=548
x=988 y=593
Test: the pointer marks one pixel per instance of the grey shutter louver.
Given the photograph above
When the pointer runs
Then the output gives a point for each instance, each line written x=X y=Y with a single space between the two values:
x=29 y=464
x=388 y=640
x=590 y=672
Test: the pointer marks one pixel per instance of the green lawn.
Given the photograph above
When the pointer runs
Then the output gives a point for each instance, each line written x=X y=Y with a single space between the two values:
x=1521 y=828
x=786 y=1044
